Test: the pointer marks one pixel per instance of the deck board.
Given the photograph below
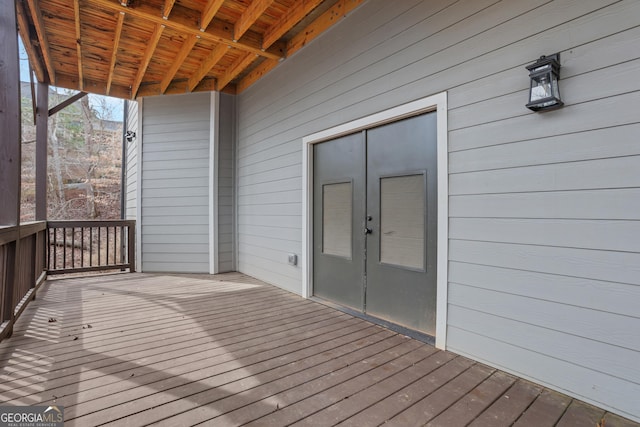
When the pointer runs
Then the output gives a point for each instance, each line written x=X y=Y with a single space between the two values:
x=135 y=349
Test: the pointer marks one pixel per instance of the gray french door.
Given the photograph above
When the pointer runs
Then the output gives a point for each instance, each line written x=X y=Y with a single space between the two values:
x=375 y=222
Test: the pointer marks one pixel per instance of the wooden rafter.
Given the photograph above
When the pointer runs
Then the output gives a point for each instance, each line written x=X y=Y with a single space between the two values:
x=253 y=12
x=185 y=50
x=209 y=12
x=218 y=33
x=38 y=23
x=321 y=24
x=151 y=47
x=23 y=26
x=255 y=75
x=116 y=43
x=212 y=59
x=313 y=30
x=291 y=18
x=166 y=10
x=76 y=12
x=236 y=68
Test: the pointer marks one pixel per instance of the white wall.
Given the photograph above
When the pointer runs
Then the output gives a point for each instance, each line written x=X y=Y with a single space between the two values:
x=175 y=183
x=132 y=162
x=544 y=208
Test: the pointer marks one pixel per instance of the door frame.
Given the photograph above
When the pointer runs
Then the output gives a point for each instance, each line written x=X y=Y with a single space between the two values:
x=432 y=103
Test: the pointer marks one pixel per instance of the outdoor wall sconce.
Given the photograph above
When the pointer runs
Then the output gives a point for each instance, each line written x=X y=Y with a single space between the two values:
x=544 y=93
x=130 y=136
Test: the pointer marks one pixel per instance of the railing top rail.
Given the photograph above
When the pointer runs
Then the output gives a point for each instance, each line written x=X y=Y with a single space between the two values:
x=12 y=233
x=91 y=223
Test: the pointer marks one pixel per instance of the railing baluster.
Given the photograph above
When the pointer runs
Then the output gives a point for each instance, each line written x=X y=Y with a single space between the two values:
x=107 y=244
x=73 y=247
x=82 y=249
x=99 y=246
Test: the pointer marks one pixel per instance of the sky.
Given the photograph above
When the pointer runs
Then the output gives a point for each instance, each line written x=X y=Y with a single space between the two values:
x=114 y=106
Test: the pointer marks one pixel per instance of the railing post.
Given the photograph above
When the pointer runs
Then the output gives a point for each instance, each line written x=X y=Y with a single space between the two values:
x=10 y=281
x=131 y=246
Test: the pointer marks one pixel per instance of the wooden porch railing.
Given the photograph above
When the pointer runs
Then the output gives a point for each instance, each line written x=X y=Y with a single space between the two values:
x=85 y=246
x=30 y=251
x=22 y=269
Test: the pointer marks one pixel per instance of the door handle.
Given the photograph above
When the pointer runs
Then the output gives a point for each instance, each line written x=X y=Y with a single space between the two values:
x=367 y=230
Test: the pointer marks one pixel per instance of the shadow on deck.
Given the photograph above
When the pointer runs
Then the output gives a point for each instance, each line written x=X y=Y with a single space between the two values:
x=226 y=350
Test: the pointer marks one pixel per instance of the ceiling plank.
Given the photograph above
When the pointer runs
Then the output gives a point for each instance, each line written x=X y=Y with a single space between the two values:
x=166 y=10
x=38 y=23
x=291 y=18
x=209 y=12
x=236 y=68
x=32 y=53
x=332 y=16
x=185 y=50
x=217 y=31
x=253 y=12
x=76 y=12
x=255 y=75
x=116 y=43
x=212 y=59
x=151 y=47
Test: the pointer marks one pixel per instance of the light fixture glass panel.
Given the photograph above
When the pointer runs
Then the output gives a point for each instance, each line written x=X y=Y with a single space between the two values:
x=402 y=220
x=336 y=219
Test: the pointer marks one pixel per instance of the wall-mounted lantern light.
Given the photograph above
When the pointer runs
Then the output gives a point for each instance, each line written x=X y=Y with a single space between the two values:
x=544 y=93
x=130 y=136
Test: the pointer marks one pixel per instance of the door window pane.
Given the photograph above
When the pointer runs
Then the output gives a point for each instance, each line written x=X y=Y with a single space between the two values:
x=336 y=219
x=402 y=221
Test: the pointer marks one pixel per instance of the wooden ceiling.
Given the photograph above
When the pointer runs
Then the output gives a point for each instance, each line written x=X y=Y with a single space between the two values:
x=134 y=48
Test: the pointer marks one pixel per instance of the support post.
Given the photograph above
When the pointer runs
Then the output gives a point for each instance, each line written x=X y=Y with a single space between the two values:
x=9 y=116
x=42 y=119
x=10 y=155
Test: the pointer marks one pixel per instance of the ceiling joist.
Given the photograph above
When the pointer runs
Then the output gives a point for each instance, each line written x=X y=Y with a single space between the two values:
x=38 y=23
x=291 y=18
x=241 y=63
x=76 y=13
x=151 y=47
x=212 y=59
x=185 y=50
x=114 y=54
x=34 y=58
x=166 y=10
x=251 y=15
x=209 y=12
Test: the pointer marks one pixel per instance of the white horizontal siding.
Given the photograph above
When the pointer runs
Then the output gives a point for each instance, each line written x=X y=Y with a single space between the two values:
x=545 y=208
x=131 y=196
x=226 y=166
x=175 y=183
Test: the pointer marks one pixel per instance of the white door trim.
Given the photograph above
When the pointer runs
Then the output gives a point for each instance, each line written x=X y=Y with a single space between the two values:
x=437 y=103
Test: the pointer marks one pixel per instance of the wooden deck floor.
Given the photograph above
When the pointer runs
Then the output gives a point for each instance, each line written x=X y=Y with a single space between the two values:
x=138 y=349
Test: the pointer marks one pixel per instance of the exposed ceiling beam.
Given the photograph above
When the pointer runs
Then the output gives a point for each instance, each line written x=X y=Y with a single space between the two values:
x=76 y=12
x=217 y=31
x=116 y=43
x=255 y=75
x=32 y=53
x=253 y=12
x=166 y=10
x=185 y=50
x=64 y=104
x=38 y=23
x=313 y=30
x=98 y=87
x=330 y=17
x=209 y=12
x=236 y=68
x=294 y=15
x=212 y=59
x=151 y=47
x=177 y=86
